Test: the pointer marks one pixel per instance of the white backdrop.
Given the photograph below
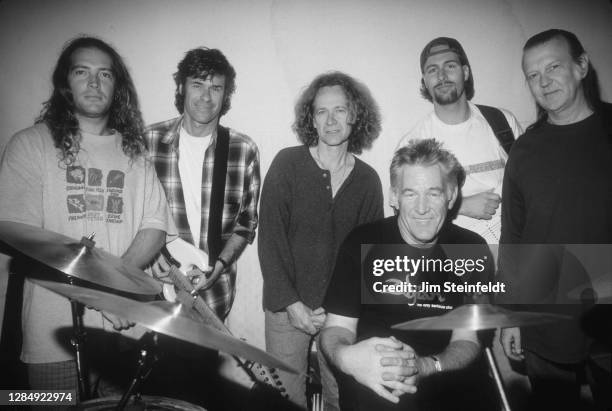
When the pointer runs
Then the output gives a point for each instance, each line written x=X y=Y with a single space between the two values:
x=277 y=47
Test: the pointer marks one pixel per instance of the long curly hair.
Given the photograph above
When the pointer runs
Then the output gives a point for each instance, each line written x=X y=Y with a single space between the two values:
x=363 y=110
x=590 y=83
x=202 y=63
x=124 y=113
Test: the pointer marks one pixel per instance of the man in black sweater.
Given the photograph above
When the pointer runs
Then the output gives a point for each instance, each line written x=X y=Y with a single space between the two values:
x=557 y=191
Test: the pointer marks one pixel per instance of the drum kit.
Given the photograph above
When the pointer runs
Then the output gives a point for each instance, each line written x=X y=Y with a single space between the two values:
x=94 y=278
x=477 y=317
x=97 y=279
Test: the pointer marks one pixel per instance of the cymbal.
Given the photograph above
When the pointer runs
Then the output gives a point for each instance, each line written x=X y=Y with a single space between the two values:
x=479 y=317
x=170 y=318
x=76 y=260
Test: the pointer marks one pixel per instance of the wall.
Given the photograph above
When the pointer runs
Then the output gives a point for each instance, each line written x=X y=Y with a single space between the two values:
x=277 y=47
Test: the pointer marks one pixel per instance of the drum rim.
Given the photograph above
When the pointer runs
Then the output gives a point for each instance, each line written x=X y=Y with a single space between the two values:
x=145 y=398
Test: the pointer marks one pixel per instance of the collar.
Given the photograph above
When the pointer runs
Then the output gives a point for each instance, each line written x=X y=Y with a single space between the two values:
x=172 y=135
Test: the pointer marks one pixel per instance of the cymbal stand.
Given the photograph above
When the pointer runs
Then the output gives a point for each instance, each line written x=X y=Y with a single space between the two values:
x=146 y=361
x=79 y=334
x=497 y=377
x=77 y=341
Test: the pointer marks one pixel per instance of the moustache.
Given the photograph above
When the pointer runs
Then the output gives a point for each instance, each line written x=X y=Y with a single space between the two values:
x=444 y=84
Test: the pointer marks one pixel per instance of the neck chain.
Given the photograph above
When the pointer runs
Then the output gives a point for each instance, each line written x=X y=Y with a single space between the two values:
x=335 y=178
x=343 y=166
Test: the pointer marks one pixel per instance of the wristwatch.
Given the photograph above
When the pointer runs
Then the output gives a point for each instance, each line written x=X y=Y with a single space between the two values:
x=437 y=364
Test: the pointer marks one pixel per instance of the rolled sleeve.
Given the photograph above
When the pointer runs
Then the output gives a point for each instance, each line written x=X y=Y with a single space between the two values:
x=156 y=211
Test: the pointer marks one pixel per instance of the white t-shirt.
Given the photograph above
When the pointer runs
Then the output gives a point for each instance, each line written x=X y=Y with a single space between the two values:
x=191 y=161
x=479 y=152
x=103 y=192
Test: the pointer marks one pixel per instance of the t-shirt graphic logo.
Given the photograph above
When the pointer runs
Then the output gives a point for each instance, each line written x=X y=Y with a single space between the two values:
x=75 y=175
x=115 y=179
x=76 y=204
x=94 y=177
x=94 y=202
x=114 y=205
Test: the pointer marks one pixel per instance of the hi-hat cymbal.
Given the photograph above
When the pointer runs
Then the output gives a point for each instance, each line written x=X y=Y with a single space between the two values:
x=170 y=318
x=75 y=259
x=479 y=317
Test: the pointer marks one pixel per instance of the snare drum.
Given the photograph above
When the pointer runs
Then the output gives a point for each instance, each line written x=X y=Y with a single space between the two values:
x=146 y=402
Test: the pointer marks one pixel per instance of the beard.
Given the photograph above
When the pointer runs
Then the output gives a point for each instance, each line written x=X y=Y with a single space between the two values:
x=450 y=97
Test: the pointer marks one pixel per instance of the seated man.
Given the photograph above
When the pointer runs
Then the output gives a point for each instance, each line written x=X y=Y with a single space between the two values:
x=379 y=365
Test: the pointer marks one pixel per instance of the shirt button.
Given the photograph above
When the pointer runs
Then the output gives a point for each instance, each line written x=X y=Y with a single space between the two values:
x=324 y=175
x=327 y=187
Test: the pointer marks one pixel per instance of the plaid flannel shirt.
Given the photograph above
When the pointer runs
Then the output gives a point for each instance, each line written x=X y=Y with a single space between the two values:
x=240 y=203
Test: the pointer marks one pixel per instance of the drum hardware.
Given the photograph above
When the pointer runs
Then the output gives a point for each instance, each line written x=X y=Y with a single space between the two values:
x=169 y=318
x=182 y=255
x=79 y=334
x=146 y=360
x=82 y=261
x=497 y=378
x=76 y=259
x=145 y=402
x=477 y=317
x=77 y=341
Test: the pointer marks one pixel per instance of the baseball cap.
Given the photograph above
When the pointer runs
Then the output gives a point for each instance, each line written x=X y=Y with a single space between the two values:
x=443 y=45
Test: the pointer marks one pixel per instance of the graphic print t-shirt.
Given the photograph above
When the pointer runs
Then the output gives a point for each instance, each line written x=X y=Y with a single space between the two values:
x=102 y=192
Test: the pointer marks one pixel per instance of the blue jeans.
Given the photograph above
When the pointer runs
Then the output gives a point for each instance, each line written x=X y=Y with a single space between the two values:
x=291 y=345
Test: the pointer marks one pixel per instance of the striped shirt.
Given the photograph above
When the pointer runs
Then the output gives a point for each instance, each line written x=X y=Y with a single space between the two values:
x=240 y=202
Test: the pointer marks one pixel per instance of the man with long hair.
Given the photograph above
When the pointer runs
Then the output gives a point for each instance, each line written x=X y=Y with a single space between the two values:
x=472 y=132
x=557 y=191
x=313 y=195
x=80 y=170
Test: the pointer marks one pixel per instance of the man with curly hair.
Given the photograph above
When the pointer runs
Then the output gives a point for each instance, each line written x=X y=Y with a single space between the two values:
x=81 y=170
x=210 y=173
x=313 y=195
x=480 y=136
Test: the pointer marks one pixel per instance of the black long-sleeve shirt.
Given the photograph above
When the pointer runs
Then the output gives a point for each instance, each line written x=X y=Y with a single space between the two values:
x=557 y=191
x=302 y=225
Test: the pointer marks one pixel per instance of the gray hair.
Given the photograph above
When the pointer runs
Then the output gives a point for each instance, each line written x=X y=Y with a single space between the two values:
x=428 y=152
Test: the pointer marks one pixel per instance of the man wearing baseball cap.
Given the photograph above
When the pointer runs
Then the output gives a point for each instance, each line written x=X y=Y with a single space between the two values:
x=479 y=136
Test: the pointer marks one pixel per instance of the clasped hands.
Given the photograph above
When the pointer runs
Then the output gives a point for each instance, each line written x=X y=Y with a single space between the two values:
x=385 y=365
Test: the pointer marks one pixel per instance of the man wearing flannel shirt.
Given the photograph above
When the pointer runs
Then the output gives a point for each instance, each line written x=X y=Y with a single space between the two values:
x=184 y=151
